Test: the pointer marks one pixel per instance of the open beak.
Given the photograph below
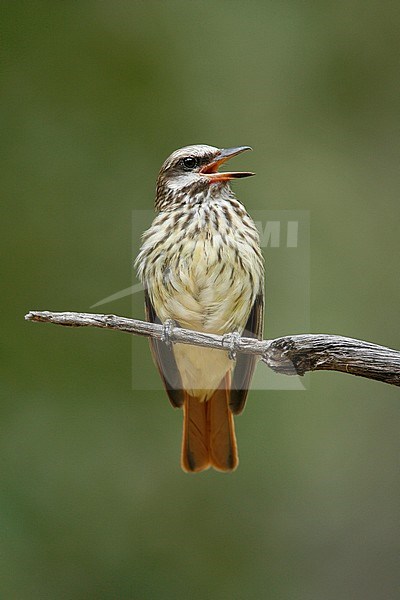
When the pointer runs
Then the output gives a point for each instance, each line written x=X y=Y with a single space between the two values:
x=211 y=169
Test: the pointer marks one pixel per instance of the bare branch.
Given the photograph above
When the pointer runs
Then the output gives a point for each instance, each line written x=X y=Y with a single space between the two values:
x=289 y=355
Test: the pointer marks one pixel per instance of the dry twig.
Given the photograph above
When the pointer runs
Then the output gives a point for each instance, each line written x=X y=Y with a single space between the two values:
x=290 y=355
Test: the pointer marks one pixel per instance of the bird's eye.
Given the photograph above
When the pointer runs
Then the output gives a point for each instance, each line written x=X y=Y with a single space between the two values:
x=190 y=163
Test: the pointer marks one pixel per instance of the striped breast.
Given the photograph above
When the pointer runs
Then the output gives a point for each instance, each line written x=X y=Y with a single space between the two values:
x=203 y=268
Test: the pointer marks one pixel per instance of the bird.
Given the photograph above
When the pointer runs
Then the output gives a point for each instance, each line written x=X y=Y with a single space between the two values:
x=201 y=267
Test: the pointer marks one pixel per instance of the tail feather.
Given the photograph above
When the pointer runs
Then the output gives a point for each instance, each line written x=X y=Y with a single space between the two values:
x=221 y=427
x=195 y=454
x=209 y=432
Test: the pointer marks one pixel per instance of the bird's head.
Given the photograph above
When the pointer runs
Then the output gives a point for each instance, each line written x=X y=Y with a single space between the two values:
x=193 y=171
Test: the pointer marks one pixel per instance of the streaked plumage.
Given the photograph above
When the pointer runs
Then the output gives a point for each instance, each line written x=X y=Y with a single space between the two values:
x=201 y=265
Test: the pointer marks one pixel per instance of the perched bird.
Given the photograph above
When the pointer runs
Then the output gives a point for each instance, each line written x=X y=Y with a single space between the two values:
x=201 y=266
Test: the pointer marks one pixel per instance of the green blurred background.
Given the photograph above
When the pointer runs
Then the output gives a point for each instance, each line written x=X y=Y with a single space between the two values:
x=95 y=95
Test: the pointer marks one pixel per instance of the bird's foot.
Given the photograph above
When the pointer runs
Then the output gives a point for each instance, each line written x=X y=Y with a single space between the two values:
x=231 y=342
x=166 y=335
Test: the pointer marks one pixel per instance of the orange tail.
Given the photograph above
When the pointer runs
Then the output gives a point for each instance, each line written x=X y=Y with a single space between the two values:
x=209 y=433
x=195 y=454
x=221 y=432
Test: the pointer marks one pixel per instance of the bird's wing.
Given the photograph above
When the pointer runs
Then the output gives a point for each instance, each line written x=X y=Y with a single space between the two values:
x=164 y=359
x=246 y=363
